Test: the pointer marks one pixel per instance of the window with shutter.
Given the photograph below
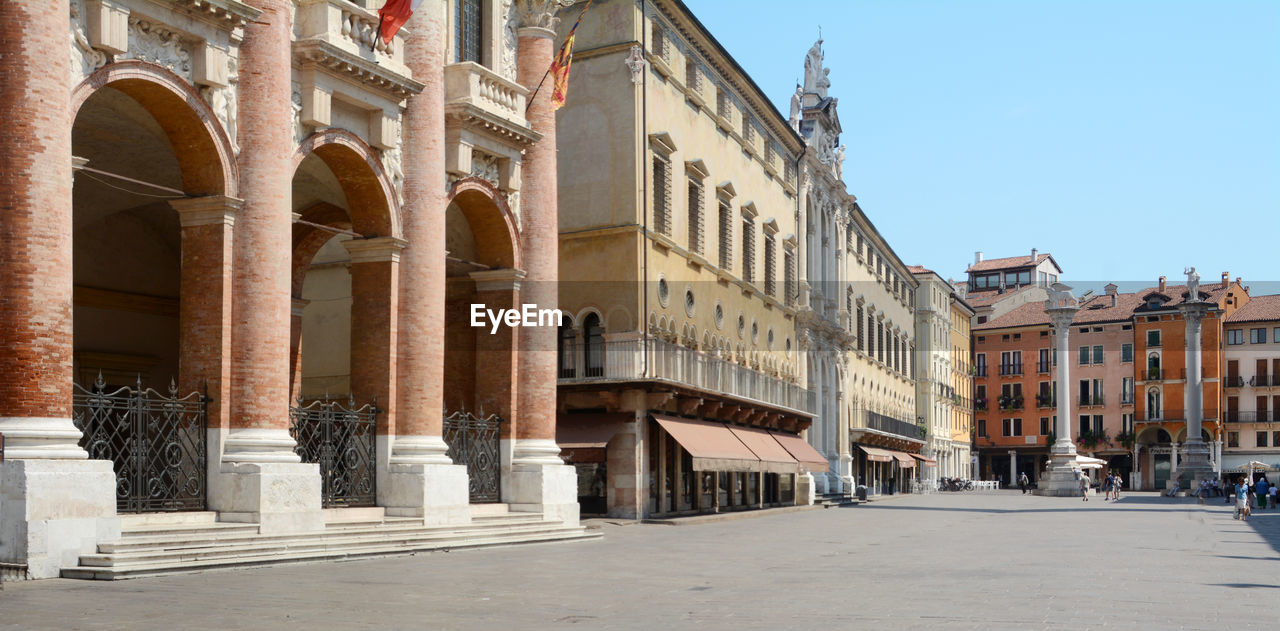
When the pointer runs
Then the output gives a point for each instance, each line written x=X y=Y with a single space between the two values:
x=748 y=250
x=661 y=195
x=726 y=235
x=695 y=216
x=770 y=266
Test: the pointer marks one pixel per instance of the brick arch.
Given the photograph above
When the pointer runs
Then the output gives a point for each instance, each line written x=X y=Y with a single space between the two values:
x=204 y=152
x=491 y=221
x=307 y=240
x=374 y=207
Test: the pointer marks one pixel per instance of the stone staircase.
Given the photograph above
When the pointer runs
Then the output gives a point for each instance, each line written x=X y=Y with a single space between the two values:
x=157 y=545
x=834 y=500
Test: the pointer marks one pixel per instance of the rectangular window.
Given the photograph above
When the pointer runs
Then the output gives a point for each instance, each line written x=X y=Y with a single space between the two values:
x=692 y=77
x=871 y=331
x=880 y=339
x=1017 y=427
x=982 y=427
x=1153 y=337
x=1261 y=439
x=980 y=363
x=1235 y=336
x=1008 y=427
x=695 y=216
x=748 y=129
x=770 y=266
x=1126 y=391
x=1084 y=392
x=789 y=276
x=1276 y=339
x=1097 y=355
x=726 y=235
x=1098 y=397
x=1097 y=424
x=659 y=43
x=862 y=339
x=661 y=196
x=1084 y=355
x=468 y=18
x=1126 y=423
x=748 y=250
x=1084 y=424
x=1233 y=439
x=1126 y=353
x=1258 y=336
x=1042 y=361
x=1044 y=426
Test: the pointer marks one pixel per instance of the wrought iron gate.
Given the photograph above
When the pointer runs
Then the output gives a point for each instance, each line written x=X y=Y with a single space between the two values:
x=473 y=441
x=342 y=441
x=155 y=442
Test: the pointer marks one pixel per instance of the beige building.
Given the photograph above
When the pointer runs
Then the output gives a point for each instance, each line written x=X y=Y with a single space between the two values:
x=960 y=462
x=679 y=260
x=943 y=382
x=1252 y=388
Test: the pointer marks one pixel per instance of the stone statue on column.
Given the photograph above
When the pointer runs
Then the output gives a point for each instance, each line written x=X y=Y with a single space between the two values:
x=813 y=68
x=1193 y=284
x=794 y=119
x=1062 y=480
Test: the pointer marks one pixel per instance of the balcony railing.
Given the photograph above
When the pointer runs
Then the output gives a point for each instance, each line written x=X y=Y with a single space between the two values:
x=1011 y=403
x=1045 y=401
x=350 y=28
x=892 y=425
x=1236 y=381
x=1264 y=416
x=1042 y=368
x=625 y=360
x=980 y=371
x=1092 y=400
x=1010 y=370
x=469 y=83
x=1154 y=374
x=1153 y=344
x=1264 y=381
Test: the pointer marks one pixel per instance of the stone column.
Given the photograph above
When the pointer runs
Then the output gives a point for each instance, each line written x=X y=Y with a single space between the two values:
x=204 y=308
x=422 y=481
x=802 y=238
x=1013 y=467
x=539 y=479
x=260 y=478
x=56 y=503
x=1061 y=478
x=846 y=458
x=1196 y=466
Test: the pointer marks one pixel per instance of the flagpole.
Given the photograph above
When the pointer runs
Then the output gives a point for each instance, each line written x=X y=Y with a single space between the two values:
x=529 y=103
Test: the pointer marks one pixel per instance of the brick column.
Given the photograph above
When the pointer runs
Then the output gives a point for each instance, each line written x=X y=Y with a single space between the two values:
x=375 y=278
x=496 y=385
x=420 y=480
x=204 y=307
x=299 y=307
x=56 y=503
x=539 y=478
x=260 y=478
x=539 y=241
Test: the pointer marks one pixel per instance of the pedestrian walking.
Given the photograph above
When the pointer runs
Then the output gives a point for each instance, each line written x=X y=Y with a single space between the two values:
x=1262 y=492
x=1115 y=487
x=1106 y=488
x=1023 y=482
x=1271 y=492
x=1242 y=500
x=1084 y=487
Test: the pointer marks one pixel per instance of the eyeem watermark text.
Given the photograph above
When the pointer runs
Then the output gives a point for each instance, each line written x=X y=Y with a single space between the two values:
x=526 y=315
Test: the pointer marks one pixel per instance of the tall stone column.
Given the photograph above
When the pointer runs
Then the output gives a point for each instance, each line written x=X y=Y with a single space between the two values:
x=539 y=479
x=421 y=480
x=1196 y=465
x=846 y=458
x=1062 y=307
x=1013 y=467
x=56 y=502
x=260 y=478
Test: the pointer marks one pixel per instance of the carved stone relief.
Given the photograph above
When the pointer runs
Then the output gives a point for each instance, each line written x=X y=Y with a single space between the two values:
x=85 y=59
x=509 y=41
x=154 y=43
x=223 y=102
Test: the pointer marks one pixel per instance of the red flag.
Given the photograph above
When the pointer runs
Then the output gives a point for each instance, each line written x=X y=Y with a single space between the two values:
x=393 y=15
x=560 y=66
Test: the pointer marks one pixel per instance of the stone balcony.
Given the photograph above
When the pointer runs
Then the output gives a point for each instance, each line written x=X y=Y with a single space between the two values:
x=480 y=96
x=340 y=38
x=351 y=29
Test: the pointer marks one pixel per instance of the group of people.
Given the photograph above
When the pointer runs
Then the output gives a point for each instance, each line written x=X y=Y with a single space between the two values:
x=1260 y=494
x=1111 y=486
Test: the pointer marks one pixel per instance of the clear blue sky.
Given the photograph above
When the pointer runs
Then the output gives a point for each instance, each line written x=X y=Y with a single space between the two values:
x=1128 y=138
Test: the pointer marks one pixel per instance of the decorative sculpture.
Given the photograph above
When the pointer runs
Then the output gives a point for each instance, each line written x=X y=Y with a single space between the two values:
x=1193 y=284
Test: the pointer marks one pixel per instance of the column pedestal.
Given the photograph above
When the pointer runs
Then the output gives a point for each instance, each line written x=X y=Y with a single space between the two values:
x=53 y=511
x=541 y=482
x=421 y=481
x=261 y=480
x=1063 y=477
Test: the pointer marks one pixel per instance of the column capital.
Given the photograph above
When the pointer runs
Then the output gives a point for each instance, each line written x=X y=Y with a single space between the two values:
x=207 y=211
x=498 y=279
x=375 y=250
x=537 y=18
x=299 y=305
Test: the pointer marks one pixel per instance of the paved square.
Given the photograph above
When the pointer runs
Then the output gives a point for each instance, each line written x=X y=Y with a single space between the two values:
x=962 y=560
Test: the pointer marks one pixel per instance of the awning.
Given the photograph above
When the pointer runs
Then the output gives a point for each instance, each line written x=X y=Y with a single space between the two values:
x=928 y=462
x=588 y=431
x=773 y=458
x=904 y=460
x=877 y=455
x=810 y=459
x=712 y=446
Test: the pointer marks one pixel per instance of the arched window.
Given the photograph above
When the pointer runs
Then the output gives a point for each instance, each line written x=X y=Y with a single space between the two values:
x=1153 y=367
x=593 y=345
x=1153 y=404
x=567 y=350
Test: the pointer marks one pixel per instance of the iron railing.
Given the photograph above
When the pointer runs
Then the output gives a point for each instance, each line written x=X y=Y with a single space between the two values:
x=1263 y=416
x=659 y=360
x=156 y=443
x=1235 y=381
x=473 y=441
x=342 y=440
x=1264 y=381
x=877 y=421
x=1010 y=369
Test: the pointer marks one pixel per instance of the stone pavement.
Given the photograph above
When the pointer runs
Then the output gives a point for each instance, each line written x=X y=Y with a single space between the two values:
x=954 y=560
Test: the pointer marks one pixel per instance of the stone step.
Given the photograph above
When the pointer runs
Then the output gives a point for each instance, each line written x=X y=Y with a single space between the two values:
x=131 y=521
x=178 y=530
x=108 y=553
x=203 y=537
x=139 y=570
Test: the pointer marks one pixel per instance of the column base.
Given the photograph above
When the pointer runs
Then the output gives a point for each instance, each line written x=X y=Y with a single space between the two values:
x=53 y=511
x=438 y=493
x=551 y=489
x=1062 y=480
x=279 y=497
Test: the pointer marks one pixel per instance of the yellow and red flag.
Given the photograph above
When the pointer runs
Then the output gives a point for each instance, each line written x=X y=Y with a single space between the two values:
x=393 y=15
x=560 y=66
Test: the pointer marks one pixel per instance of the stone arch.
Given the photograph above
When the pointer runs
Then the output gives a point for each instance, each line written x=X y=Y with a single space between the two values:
x=204 y=152
x=371 y=198
x=586 y=311
x=496 y=233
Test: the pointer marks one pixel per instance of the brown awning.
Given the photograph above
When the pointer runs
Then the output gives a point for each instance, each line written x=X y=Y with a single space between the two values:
x=928 y=462
x=877 y=455
x=588 y=431
x=904 y=460
x=809 y=458
x=712 y=445
x=773 y=457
